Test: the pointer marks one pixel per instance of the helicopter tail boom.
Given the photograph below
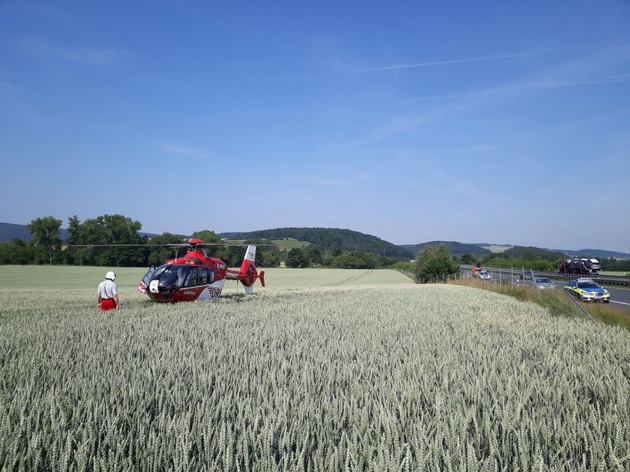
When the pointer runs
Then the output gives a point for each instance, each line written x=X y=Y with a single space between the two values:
x=248 y=274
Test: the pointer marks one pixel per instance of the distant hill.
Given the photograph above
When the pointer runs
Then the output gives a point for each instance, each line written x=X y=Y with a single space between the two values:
x=598 y=254
x=532 y=253
x=10 y=231
x=347 y=240
x=328 y=238
x=457 y=249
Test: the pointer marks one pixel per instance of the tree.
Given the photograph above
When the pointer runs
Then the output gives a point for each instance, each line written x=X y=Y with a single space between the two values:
x=434 y=263
x=16 y=252
x=207 y=236
x=355 y=260
x=73 y=254
x=46 y=236
x=231 y=255
x=314 y=255
x=157 y=254
x=296 y=258
x=107 y=230
x=468 y=259
x=330 y=255
x=335 y=252
x=270 y=258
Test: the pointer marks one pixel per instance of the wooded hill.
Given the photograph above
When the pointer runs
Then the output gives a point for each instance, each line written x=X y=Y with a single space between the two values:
x=599 y=253
x=330 y=238
x=10 y=231
x=457 y=249
x=531 y=253
x=344 y=239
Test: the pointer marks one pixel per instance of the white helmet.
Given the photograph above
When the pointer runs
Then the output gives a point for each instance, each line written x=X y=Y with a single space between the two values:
x=110 y=275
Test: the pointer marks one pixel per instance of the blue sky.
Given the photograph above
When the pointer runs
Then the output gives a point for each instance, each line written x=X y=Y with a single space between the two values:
x=485 y=121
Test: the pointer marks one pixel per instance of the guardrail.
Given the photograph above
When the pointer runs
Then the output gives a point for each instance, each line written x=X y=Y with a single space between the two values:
x=601 y=279
x=580 y=307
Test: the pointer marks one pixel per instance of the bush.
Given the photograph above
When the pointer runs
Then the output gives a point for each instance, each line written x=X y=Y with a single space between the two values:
x=435 y=263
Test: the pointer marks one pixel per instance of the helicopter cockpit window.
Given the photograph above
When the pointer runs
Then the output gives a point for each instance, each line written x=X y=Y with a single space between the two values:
x=191 y=277
x=172 y=276
x=153 y=273
x=205 y=276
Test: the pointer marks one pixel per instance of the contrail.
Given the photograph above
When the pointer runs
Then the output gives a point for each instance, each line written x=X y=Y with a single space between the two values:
x=492 y=58
x=596 y=81
x=454 y=61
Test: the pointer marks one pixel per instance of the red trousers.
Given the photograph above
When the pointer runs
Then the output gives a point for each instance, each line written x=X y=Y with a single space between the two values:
x=107 y=305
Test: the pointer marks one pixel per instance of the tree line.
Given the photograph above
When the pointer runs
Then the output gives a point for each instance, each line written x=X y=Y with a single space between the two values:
x=89 y=243
x=312 y=256
x=541 y=260
x=115 y=241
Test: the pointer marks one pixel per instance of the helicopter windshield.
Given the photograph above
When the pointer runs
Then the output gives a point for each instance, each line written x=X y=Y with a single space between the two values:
x=168 y=275
x=176 y=276
x=151 y=273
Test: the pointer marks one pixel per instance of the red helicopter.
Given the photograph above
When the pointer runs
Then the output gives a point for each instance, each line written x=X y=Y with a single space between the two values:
x=197 y=276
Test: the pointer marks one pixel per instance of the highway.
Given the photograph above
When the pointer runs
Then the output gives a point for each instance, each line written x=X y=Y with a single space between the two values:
x=619 y=296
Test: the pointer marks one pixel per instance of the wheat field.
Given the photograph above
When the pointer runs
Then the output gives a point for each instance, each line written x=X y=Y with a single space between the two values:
x=354 y=370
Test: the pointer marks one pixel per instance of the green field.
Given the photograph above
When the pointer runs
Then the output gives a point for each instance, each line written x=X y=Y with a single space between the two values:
x=497 y=248
x=615 y=273
x=321 y=370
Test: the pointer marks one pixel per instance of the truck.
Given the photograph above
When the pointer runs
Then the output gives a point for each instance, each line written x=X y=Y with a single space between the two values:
x=579 y=266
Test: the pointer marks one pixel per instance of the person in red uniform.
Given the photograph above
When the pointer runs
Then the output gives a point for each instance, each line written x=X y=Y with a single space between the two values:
x=107 y=293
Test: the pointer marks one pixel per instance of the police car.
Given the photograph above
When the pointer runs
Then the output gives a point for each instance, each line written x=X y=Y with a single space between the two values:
x=587 y=290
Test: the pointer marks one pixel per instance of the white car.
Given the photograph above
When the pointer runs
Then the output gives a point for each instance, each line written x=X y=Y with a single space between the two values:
x=544 y=283
x=484 y=275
